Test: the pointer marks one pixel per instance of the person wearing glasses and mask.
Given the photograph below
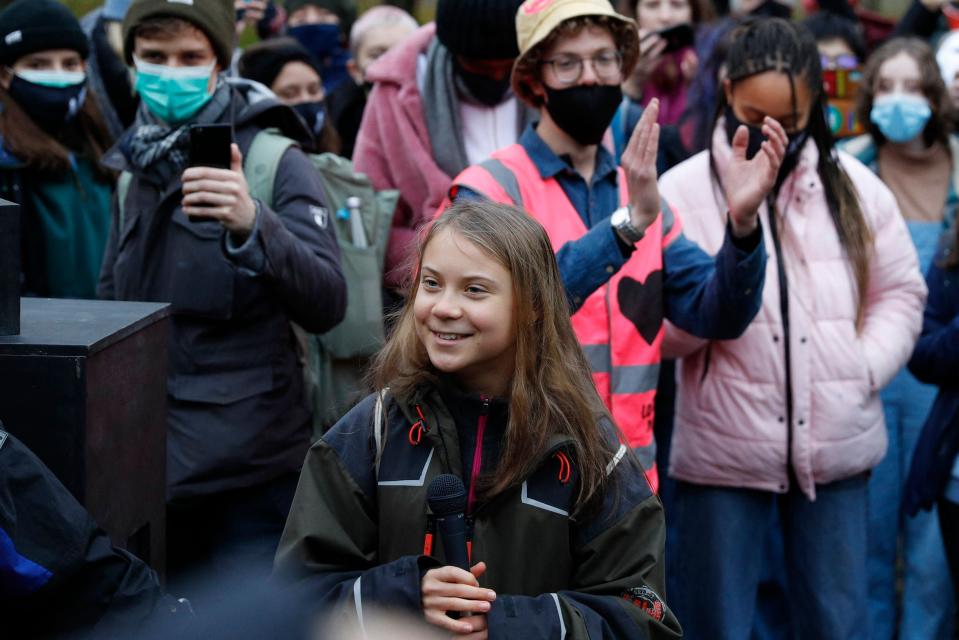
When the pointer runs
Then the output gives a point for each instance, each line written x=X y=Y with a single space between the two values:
x=621 y=251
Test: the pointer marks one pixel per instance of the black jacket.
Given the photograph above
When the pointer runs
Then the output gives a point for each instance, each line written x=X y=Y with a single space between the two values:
x=236 y=411
x=357 y=532
x=59 y=572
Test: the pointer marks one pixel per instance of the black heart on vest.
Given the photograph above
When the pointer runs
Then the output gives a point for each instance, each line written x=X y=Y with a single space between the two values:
x=642 y=303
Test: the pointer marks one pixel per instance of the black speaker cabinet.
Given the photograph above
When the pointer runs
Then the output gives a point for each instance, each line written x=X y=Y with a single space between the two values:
x=84 y=386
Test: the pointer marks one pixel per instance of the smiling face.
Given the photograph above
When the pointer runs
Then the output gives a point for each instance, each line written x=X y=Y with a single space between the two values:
x=464 y=314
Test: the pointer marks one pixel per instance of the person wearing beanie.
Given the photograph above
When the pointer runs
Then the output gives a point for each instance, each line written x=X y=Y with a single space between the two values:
x=51 y=141
x=238 y=264
x=617 y=241
x=290 y=72
x=444 y=99
x=322 y=26
x=376 y=32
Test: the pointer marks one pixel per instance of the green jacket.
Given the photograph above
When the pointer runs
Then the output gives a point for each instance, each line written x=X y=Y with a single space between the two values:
x=356 y=531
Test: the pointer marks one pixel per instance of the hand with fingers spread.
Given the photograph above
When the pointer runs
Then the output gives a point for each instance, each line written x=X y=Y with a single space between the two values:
x=639 y=163
x=447 y=589
x=748 y=182
x=221 y=194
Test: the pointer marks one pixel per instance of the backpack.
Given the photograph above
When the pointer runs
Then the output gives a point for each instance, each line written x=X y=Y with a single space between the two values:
x=333 y=362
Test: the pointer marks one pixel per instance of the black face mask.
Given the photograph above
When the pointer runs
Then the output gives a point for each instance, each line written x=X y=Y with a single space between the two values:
x=50 y=107
x=313 y=113
x=486 y=90
x=756 y=136
x=794 y=147
x=584 y=111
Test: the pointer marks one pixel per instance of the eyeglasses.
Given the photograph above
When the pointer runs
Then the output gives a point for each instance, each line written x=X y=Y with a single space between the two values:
x=607 y=65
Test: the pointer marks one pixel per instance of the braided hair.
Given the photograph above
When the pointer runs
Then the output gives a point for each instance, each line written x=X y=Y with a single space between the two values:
x=773 y=44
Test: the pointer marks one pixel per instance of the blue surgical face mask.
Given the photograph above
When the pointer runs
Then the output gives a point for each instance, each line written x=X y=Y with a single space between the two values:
x=50 y=98
x=900 y=117
x=173 y=94
x=322 y=40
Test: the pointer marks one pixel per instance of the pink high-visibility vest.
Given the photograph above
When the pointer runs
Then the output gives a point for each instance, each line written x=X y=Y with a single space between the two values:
x=620 y=326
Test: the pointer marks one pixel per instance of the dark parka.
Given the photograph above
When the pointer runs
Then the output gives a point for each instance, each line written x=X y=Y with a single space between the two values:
x=59 y=572
x=936 y=361
x=357 y=533
x=236 y=412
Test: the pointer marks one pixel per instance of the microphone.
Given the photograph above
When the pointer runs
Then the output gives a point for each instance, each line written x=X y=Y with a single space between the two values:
x=446 y=497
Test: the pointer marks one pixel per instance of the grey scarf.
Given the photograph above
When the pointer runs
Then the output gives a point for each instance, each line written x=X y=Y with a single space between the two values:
x=441 y=97
x=162 y=151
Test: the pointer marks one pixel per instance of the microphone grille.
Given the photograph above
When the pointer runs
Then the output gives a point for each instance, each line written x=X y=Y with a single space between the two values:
x=446 y=495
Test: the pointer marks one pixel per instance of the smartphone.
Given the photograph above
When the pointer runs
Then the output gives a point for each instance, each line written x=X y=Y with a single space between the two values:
x=677 y=37
x=210 y=145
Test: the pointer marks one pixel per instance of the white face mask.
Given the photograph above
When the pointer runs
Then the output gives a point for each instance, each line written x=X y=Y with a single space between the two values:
x=173 y=73
x=49 y=78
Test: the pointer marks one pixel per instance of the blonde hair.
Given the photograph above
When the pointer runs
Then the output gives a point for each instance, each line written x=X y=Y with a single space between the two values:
x=551 y=391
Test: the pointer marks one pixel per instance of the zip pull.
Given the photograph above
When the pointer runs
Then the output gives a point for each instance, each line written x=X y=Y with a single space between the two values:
x=486 y=402
x=469 y=539
x=429 y=536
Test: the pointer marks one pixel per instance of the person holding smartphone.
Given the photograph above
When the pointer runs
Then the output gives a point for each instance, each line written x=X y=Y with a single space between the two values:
x=667 y=58
x=236 y=271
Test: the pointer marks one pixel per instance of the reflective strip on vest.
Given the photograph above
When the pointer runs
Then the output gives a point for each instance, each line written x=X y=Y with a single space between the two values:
x=620 y=324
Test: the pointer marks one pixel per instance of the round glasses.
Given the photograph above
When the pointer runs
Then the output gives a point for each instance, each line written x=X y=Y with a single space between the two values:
x=607 y=65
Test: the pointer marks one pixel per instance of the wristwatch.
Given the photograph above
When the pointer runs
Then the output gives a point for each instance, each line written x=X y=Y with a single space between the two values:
x=623 y=225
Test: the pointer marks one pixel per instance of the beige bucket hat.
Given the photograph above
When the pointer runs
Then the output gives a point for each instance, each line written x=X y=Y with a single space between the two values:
x=536 y=19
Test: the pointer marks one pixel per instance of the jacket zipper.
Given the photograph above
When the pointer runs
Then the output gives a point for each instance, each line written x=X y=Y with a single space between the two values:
x=784 y=312
x=477 y=453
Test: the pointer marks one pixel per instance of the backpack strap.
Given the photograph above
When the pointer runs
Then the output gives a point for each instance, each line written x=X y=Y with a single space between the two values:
x=379 y=427
x=262 y=161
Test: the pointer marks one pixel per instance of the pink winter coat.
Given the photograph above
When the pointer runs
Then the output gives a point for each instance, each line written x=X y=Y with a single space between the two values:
x=730 y=425
x=393 y=147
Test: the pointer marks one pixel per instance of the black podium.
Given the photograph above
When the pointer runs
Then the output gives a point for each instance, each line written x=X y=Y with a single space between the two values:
x=84 y=387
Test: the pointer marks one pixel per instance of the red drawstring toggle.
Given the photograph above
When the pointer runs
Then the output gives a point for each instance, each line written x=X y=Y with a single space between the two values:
x=565 y=468
x=416 y=431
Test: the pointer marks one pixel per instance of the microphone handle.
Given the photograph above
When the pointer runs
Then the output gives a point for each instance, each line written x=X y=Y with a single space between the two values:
x=452 y=530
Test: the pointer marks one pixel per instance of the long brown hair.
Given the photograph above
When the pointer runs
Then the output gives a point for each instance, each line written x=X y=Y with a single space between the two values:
x=931 y=84
x=24 y=138
x=551 y=391
x=767 y=44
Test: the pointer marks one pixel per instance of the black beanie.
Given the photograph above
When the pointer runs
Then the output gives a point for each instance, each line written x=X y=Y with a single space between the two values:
x=215 y=18
x=265 y=60
x=345 y=10
x=482 y=29
x=28 y=26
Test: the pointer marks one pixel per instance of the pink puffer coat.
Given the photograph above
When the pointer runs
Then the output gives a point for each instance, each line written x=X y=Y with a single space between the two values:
x=731 y=424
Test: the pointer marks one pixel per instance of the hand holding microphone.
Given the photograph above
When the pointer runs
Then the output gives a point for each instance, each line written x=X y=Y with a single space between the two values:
x=454 y=587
